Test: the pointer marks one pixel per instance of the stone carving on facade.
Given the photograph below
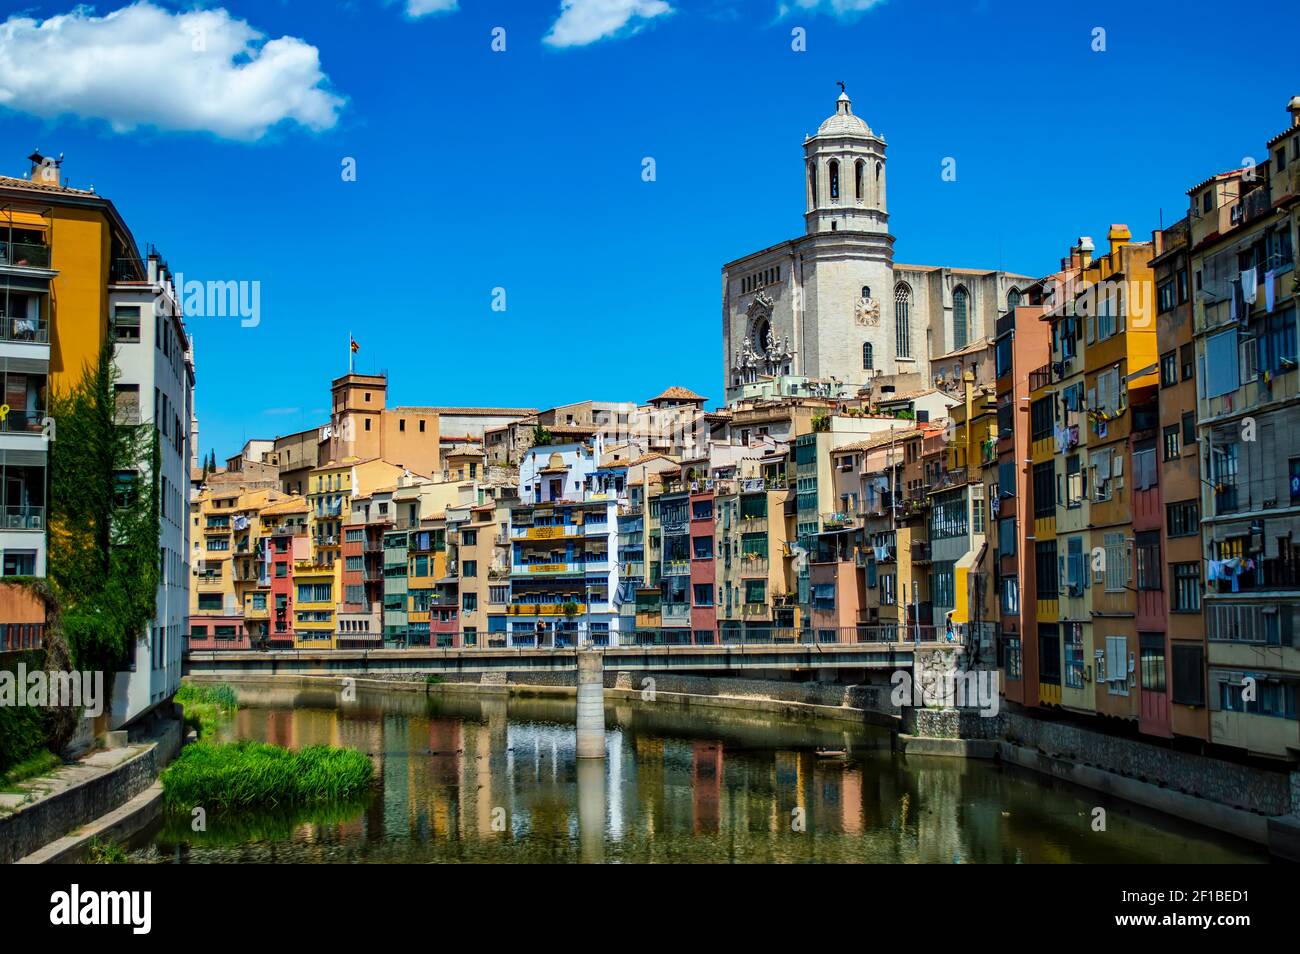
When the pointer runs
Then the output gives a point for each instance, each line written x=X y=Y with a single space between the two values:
x=866 y=312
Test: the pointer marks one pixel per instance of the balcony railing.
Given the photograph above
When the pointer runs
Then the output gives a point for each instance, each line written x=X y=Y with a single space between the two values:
x=25 y=254
x=32 y=330
x=23 y=518
x=19 y=419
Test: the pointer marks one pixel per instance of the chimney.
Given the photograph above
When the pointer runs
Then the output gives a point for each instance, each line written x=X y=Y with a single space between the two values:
x=1085 y=250
x=1293 y=108
x=45 y=170
x=1118 y=236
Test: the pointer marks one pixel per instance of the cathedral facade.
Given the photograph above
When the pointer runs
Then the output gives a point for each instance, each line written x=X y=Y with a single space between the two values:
x=832 y=304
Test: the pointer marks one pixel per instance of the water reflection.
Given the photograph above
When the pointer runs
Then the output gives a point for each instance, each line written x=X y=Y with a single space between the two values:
x=486 y=779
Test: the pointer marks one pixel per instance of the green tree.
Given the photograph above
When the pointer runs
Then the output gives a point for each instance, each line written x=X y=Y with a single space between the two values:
x=104 y=525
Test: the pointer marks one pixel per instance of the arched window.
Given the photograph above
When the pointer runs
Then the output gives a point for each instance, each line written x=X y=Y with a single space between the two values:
x=902 y=320
x=868 y=357
x=866 y=291
x=812 y=182
x=860 y=180
x=960 y=318
x=764 y=336
x=1013 y=299
x=834 y=168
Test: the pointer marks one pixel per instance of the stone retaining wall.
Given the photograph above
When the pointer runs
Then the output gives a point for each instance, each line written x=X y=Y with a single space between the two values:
x=30 y=827
x=1250 y=789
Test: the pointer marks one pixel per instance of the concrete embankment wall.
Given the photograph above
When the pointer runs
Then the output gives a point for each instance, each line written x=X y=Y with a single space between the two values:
x=30 y=827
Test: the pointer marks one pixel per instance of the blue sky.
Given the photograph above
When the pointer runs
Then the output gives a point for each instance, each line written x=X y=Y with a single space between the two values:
x=522 y=169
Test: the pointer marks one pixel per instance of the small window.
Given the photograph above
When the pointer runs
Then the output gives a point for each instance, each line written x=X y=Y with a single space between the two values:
x=126 y=322
x=1169 y=369
x=367 y=423
x=422 y=427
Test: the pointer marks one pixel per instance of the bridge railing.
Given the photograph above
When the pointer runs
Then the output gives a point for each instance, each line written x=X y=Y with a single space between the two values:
x=726 y=634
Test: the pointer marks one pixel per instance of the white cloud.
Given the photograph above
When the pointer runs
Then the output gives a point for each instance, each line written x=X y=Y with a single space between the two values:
x=423 y=8
x=839 y=8
x=198 y=71
x=586 y=21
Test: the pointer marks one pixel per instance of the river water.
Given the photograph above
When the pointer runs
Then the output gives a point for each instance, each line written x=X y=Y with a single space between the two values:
x=486 y=779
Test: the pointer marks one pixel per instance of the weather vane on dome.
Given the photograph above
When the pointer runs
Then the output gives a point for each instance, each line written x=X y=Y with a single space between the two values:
x=841 y=85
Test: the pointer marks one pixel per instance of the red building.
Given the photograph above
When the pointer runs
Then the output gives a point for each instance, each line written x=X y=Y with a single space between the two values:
x=704 y=573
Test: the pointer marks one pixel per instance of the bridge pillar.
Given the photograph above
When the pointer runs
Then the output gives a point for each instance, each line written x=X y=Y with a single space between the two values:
x=591 y=705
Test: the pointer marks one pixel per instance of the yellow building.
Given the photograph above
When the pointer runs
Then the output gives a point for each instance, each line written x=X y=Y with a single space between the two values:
x=315 y=589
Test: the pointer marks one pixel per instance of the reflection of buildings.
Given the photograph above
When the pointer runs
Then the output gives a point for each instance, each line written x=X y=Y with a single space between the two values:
x=706 y=785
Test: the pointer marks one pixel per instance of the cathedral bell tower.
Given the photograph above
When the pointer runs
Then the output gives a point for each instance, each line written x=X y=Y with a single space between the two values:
x=844 y=175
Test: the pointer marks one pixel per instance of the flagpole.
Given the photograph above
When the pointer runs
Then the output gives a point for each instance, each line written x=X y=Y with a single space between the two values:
x=349 y=352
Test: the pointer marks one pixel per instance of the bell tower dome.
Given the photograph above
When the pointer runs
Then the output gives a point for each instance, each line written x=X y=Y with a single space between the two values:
x=844 y=175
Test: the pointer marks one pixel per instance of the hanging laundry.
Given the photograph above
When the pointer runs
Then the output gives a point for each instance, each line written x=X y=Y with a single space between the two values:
x=1248 y=286
x=1268 y=290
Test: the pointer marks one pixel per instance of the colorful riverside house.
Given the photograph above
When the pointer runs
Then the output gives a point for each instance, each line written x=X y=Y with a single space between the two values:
x=973 y=425
x=476 y=550
x=360 y=617
x=331 y=488
x=1179 y=467
x=1020 y=347
x=704 y=613
x=955 y=531
x=1039 y=541
x=431 y=619
x=396 y=588
x=675 y=562
x=1243 y=265
x=1070 y=436
x=216 y=616
x=315 y=589
x=285 y=529
x=1117 y=301
x=564 y=543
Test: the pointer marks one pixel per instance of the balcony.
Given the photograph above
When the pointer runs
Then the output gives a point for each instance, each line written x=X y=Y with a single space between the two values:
x=546 y=569
x=125 y=271
x=754 y=564
x=21 y=420
x=544 y=609
x=30 y=330
x=676 y=568
x=22 y=518
x=752 y=524
x=837 y=521
x=676 y=613
x=24 y=254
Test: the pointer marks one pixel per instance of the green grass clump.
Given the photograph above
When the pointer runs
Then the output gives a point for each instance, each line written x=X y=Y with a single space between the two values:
x=105 y=853
x=31 y=767
x=256 y=775
x=206 y=707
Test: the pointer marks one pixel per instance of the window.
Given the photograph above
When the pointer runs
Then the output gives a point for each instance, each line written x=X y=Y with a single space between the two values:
x=1150 y=572
x=1013 y=300
x=1011 y=657
x=1165 y=296
x=1117 y=665
x=943 y=584
x=1116 y=563
x=469 y=569
x=126 y=323
x=859 y=184
x=1007 y=536
x=1187 y=358
x=1045 y=489
x=1189 y=428
x=1049 y=654
x=1277 y=342
x=1186 y=588
x=868 y=358
x=1171 y=442
x=977 y=510
x=469 y=602
x=1040 y=418
x=1151 y=647
x=1074 y=660
x=1144 y=465
x=1047 y=568
x=1010 y=596
x=127 y=397
x=834 y=169
x=1181 y=278
x=960 y=318
x=1189 y=675
x=1169 y=369
x=1183 y=519
x=902 y=320
x=1074 y=487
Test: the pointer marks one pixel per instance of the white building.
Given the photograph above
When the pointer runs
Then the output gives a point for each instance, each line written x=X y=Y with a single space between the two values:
x=155 y=366
x=832 y=304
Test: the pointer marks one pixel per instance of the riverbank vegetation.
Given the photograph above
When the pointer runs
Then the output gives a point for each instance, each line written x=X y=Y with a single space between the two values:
x=256 y=775
x=207 y=707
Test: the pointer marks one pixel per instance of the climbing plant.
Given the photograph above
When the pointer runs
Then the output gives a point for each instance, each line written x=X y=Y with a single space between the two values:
x=104 y=525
